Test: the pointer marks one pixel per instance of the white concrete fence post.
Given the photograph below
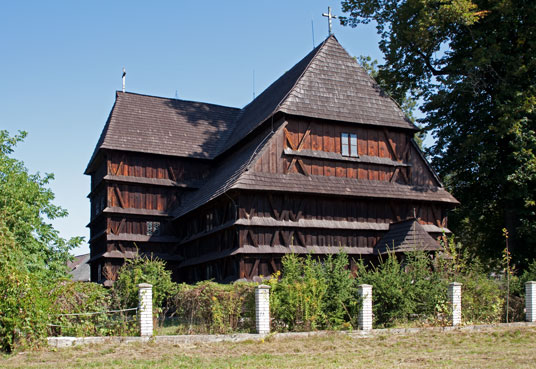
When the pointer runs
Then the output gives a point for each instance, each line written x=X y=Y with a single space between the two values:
x=145 y=309
x=455 y=300
x=364 y=320
x=530 y=301
x=262 y=309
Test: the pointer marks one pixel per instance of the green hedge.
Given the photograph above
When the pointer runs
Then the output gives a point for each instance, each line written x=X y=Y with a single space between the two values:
x=309 y=294
x=209 y=307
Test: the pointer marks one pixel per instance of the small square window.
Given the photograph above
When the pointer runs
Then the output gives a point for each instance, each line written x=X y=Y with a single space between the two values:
x=153 y=228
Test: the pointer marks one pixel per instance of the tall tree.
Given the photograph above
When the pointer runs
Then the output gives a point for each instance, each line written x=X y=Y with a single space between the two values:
x=407 y=103
x=25 y=211
x=473 y=64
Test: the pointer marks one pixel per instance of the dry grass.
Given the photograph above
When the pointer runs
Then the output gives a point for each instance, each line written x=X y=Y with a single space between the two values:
x=513 y=347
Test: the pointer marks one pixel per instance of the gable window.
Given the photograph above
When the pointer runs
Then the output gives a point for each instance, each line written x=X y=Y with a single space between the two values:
x=153 y=228
x=349 y=144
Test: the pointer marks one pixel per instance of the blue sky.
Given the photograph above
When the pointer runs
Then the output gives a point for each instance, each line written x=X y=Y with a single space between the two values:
x=61 y=62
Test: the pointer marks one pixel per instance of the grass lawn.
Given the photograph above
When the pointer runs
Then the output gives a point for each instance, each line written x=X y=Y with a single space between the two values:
x=505 y=347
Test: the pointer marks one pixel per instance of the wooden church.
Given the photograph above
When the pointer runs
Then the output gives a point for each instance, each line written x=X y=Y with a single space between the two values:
x=322 y=161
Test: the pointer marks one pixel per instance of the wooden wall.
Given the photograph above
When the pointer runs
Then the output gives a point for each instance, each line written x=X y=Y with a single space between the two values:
x=293 y=207
x=143 y=197
x=372 y=142
x=156 y=166
x=142 y=184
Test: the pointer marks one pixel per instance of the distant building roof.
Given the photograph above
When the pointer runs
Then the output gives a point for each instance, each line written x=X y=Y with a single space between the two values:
x=79 y=268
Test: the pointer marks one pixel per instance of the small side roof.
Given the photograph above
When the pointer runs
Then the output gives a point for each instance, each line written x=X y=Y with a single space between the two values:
x=404 y=236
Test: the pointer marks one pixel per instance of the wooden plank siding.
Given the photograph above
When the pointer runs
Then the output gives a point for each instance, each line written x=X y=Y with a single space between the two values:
x=136 y=182
x=322 y=136
x=120 y=163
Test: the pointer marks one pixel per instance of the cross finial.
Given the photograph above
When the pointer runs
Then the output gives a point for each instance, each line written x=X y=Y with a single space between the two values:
x=329 y=15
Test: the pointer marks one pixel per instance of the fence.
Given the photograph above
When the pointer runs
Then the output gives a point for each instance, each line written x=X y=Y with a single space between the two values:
x=141 y=320
x=365 y=319
x=99 y=323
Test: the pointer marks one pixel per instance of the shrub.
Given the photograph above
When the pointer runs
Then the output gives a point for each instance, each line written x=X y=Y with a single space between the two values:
x=428 y=287
x=209 y=307
x=409 y=290
x=24 y=303
x=142 y=270
x=340 y=305
x=296 y=301
x=529 y=274
x=83 y=309
x=392 y=300
x=482 y=298
x=313 y=294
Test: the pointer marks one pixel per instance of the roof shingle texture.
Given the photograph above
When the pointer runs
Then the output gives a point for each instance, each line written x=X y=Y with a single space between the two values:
x=340 y=186
x=327 y=84
x=408 y=235
x=165 y=126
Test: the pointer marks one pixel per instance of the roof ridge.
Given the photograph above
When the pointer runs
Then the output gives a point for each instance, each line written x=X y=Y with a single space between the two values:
x=118 y=92
x=310 y=55
x=318 y=48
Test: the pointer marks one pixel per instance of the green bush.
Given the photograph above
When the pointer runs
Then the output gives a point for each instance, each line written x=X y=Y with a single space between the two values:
x=24 y=302
x=83 y=309
x=296 y=300
x=528 y=274
x=482 y=298
x=313 y=294
x=209 y=307
x=142 y=270
x=391 y=290
x=341 y=307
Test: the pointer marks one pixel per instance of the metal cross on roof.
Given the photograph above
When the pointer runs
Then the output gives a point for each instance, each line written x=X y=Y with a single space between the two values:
x=329 y=15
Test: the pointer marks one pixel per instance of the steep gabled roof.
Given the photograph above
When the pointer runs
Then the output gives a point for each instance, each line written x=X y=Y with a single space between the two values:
x=327 y=84
x=407 y=235
x=157 y=125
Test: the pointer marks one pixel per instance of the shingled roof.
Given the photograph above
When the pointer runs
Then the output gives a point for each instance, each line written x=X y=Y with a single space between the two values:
x=327 y=84
x=225 y=175
x=294 y=182
x=157 y=125
x=408 y=235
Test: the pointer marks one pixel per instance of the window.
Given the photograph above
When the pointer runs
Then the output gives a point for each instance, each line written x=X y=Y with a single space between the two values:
x=349 y=144
x=344 y=144
x=153 y=228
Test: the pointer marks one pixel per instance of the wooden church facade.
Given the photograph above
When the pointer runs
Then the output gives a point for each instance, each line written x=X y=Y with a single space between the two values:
x=321 y=161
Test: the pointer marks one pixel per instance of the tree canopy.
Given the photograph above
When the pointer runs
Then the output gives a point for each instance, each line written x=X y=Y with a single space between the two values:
x=25 y=209
x=473 y=65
